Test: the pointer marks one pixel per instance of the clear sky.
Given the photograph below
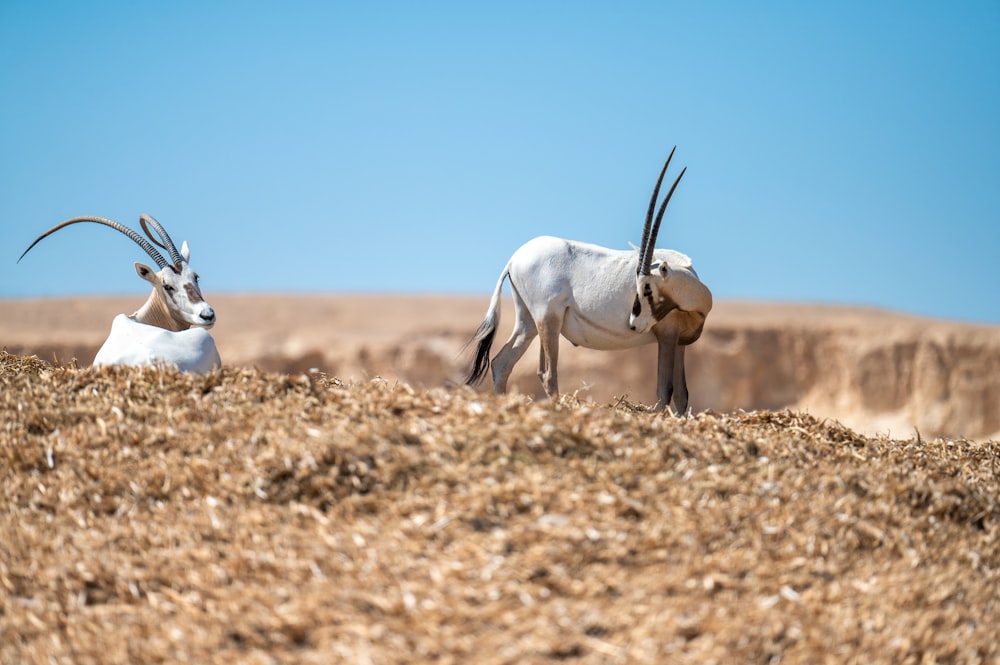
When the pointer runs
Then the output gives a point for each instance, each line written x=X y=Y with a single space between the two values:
x=842 y=152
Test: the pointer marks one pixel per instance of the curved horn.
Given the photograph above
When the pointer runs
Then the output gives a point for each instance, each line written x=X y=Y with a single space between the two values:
x=656 y=224
x=142 y=242
x=166 y=243
x=644 y=256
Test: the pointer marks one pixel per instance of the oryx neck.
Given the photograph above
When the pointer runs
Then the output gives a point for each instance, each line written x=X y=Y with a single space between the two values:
x=154 y=312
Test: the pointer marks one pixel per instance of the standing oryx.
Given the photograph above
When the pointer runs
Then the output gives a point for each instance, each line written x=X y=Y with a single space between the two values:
x=171 y=327
x=586 y=293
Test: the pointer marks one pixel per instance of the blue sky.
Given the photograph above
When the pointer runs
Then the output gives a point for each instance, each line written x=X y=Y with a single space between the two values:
x=837 y=152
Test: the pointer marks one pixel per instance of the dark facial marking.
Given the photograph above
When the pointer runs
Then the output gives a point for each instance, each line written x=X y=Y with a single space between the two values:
x=192 y=293
x=662 y=307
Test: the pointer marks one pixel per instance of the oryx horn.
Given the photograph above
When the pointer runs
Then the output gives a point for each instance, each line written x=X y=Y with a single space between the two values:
x=652 y=228
x=165 y=242
x=139 y=240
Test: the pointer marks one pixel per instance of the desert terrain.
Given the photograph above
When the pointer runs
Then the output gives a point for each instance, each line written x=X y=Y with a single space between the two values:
x=373 y=512
x=877 y=372
x=255 y=517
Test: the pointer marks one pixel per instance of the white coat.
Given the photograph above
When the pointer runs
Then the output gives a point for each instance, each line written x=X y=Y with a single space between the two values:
x=134 y=343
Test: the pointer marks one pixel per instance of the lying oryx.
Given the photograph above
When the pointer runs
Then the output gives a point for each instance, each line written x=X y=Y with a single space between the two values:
x=161 y=330
x=586 y=293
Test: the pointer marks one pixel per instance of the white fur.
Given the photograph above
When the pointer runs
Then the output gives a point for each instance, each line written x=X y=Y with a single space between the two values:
x=586 y=293
x=134 y=343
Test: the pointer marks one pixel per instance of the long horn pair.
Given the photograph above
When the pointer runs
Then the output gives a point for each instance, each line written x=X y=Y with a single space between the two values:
x=165 y=242
x=139 y=240
x=652 y=228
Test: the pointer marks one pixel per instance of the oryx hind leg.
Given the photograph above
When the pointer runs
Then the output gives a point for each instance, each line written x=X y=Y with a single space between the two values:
x=524 y=331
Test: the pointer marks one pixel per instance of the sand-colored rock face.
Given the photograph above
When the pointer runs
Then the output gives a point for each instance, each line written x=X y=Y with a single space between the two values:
x=875 y=371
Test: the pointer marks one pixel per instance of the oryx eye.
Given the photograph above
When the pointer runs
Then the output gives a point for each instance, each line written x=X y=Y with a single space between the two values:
x=168 y=288
x=647 y=290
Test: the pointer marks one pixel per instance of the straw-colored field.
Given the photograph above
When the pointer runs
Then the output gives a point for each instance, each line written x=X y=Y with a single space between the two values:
x=877 y=372
x=254 y=517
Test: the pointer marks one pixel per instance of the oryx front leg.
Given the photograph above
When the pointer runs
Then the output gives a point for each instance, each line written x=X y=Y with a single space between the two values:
x=680 y=382
x=549 y=329
x=666 y=362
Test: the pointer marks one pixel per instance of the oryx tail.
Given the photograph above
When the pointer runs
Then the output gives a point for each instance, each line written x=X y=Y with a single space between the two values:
x=487 y=331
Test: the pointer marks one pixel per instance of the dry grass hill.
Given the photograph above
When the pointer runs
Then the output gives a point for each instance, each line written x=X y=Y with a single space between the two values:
x=877 y=372
x=255 y=517
x=267 y=513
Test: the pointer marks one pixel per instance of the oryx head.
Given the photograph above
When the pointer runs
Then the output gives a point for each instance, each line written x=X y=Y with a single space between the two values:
x=176 y=284
x=669 y=283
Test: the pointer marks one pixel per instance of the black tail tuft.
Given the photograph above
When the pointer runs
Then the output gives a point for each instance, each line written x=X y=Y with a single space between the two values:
x=482 y=362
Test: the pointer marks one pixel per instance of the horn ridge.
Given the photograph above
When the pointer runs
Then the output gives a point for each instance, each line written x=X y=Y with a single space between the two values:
x=138 y=239
x=165 y=242
x=645 y=254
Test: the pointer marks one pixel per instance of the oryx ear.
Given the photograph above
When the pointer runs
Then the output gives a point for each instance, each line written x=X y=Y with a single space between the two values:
x=664 y=268
x=185 y=251
x=146 y=273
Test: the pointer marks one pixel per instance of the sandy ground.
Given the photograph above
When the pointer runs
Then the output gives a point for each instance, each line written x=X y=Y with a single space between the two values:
x=876 y=371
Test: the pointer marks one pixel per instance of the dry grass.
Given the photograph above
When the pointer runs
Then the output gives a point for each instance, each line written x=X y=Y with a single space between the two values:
x=150 y=516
